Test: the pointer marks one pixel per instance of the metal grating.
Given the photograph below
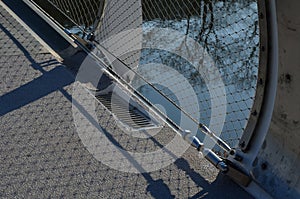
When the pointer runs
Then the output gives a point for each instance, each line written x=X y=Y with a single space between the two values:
x=129 y=115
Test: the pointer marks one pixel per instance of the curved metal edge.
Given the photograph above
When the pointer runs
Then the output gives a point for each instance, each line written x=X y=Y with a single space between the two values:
x=267 y=108
x=261 y=78
x=262 y=125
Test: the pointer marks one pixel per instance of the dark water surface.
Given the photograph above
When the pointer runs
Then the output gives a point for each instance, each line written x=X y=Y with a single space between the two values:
x=227 y=31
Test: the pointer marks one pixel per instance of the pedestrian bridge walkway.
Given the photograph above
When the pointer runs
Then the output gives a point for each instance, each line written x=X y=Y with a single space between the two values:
x=44 y=155
x=41 y=154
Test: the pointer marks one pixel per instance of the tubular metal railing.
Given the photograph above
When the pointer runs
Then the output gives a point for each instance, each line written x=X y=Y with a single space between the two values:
x=212 y=46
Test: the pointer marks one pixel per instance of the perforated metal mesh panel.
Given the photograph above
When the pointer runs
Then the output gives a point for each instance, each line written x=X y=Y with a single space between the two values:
x=41 y=153
x=229 y=34
x=209 y=45
x=82 y=12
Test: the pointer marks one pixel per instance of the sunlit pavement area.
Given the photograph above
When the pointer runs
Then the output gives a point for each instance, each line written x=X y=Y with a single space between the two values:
x=42 y=155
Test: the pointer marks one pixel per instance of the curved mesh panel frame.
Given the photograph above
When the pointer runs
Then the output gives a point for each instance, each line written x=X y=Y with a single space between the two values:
x=225 y=45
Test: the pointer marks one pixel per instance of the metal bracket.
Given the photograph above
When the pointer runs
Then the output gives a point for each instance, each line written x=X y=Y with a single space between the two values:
x=237 y=174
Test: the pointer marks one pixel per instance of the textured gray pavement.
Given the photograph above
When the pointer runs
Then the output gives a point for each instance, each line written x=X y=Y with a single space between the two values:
x=41 y=154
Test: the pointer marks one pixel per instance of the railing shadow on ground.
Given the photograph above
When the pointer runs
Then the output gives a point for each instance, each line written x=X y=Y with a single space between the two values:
x=47 y=83
x=59 y=77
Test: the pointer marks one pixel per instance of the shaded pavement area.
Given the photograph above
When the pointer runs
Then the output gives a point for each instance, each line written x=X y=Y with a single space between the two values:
x=41 y=154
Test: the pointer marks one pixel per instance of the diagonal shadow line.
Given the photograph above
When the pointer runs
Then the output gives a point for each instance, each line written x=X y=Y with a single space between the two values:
x=22 y=48
x=157 y=188
x=55 y=80
x=47 y=83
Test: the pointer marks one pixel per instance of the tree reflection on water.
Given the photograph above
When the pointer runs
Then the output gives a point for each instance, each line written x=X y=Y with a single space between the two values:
x=227 y=30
